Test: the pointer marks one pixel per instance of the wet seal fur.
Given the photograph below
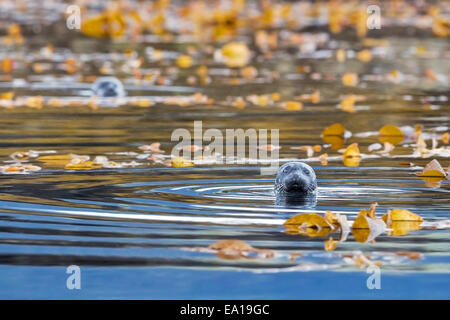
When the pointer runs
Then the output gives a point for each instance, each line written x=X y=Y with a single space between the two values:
x=296 y=185
x=108 y=87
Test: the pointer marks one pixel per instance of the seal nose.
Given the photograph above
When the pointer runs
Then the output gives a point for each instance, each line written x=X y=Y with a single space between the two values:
x=295 y=182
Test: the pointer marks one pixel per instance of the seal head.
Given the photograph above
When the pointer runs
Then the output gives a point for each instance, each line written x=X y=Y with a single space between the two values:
x=108 y=87
x=296 y=185
x=295 y=178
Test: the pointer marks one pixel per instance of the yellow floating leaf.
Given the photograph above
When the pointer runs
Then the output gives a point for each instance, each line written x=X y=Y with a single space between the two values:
x=361 y=235
x=401 y=228
x=180 y=163
x=433 y=170
x=235 y=54
x=445 y=138
x=83 y=165
x=373 y=227
x=56 y=160
x=313 y=220
x=341 y=55
x=7 y=95
x=106 y=24
x=239 y=103
x=275 y=96
x=315 y=97
x=56 y=157
x=352 y=161
x=350 y=79
x=364 y=55
x=12 y=169
x=336 y=129
x=401 y=215
x=390 y=133
x=348 y=104
x=184 y=61
x=34 y=102
x=337 y=142
x=361 y=220
x=352 y=151
x=7 y=65
x=293 y=105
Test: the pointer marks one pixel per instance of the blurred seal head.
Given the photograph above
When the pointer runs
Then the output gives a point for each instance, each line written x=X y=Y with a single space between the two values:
x=108 y=87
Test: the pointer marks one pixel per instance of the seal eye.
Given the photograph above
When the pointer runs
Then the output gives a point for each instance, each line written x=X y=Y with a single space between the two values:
x=286 y=170
x=306 y=171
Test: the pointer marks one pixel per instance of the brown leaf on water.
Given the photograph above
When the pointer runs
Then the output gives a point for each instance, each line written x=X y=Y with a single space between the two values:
x=249 y=72
x=309 y=150
x=153 y=148
x=236 y=249
x=363 y=261
x=330 y=244
x=323 y=159
x=269 y=147
x=348 y=104
x=331 y=217
x=231 y=244
x=360 y=260
x=411 y=255
x=294 y=255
